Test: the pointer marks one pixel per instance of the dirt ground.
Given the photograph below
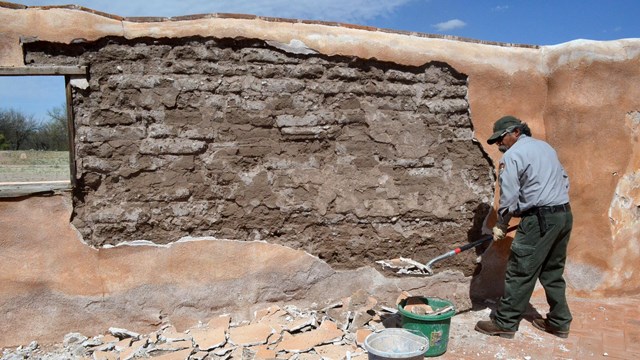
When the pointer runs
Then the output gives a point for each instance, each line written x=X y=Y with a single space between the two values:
x=602 y=329
x=32 y=166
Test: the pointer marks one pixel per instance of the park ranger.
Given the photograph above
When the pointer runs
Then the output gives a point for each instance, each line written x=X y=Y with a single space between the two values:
x=535 y=187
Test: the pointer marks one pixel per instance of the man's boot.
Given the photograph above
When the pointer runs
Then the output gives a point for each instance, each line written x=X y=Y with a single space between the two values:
x=543 y=324
x=490 y=328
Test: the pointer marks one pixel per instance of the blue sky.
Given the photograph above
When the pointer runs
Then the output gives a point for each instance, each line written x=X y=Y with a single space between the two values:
x=539 y=22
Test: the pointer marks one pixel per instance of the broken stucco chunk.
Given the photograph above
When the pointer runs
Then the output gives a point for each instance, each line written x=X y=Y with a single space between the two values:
x=253 y=334
x=213 y=335
x=178 y=355
x=326 y=333
x=294 y=46
x=170 y=334
x=79 y=82
x=336 y=351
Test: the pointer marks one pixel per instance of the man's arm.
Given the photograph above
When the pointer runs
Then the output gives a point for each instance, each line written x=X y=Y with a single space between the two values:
x=509 y=190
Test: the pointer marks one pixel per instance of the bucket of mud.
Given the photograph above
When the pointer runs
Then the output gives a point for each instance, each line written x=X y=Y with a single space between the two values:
x=431 y=317
x=396 y=344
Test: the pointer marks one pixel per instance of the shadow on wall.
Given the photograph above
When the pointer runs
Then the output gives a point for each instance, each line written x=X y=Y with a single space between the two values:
x=488 y=279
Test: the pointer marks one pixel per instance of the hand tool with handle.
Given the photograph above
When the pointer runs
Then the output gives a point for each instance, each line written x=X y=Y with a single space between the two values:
x=462 y=248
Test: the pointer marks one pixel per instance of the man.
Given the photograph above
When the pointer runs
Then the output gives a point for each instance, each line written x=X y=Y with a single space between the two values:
x=534 y=187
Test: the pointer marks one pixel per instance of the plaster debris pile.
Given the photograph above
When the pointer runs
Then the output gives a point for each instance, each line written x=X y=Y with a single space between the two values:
x=336 y=331
x=404 y=266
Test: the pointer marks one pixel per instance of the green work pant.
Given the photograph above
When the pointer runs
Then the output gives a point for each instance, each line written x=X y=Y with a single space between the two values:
x=537 y=257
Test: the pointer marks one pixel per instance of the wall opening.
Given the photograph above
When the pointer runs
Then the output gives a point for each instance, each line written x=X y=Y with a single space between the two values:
x=36 y=132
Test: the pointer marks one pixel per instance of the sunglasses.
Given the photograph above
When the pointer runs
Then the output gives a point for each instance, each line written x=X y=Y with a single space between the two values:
x=504 y=133
x=501 y=137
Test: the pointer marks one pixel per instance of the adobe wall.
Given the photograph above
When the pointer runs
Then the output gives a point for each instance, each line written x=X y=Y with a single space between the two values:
x=345 y=158
x=580 y=96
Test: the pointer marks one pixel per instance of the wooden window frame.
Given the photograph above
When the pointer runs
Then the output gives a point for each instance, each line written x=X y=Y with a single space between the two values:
x=69 y=73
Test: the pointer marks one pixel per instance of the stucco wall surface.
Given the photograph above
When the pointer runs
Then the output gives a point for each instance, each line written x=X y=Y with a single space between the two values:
x=53 y=284
x=580 y=96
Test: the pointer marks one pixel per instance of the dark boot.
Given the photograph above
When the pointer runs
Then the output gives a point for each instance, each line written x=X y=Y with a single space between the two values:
x=543 y=325
x=490 y=328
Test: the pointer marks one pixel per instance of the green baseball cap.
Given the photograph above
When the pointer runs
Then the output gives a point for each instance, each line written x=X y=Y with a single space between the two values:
x=502 y=126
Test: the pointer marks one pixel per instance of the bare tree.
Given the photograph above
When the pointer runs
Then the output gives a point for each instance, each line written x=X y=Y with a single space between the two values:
x=53 y=135
x=3 y=143
x=17 y=128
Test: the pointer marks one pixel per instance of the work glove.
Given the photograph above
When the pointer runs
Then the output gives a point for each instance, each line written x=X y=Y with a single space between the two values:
x=499 y=232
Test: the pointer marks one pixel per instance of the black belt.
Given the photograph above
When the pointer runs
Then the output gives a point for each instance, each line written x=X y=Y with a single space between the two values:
x=540 y=211
x=547 y=209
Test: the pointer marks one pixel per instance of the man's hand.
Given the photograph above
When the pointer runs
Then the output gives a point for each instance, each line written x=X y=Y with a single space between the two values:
x=499 y=232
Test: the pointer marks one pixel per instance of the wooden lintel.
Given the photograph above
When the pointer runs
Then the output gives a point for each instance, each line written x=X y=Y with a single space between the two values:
x=9 y=190
x=42 y=70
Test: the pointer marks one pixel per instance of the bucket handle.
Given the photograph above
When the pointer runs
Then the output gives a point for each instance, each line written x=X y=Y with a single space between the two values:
x=418 y=333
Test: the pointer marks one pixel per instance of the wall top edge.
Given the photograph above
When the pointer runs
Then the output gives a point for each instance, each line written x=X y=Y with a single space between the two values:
x=154 y=20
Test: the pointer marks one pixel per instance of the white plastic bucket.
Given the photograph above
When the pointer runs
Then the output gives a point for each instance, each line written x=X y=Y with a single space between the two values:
x=396 y=344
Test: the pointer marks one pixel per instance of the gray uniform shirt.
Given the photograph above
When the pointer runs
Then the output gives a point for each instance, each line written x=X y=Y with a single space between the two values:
x=530 y=176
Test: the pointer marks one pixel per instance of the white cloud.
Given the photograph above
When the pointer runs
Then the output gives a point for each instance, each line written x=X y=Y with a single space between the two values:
x=500 y=8
x=450 y=25
x=354 y=11
x=613 y=30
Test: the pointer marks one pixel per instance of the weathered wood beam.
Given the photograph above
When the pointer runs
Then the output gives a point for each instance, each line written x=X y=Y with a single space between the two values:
x=42 y=70
x=14 y=189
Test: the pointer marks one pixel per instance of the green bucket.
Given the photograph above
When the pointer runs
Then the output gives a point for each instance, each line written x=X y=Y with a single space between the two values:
x=433 y=327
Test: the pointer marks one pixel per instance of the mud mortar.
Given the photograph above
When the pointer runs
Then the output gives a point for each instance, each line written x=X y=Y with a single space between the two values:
x=353 y=160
